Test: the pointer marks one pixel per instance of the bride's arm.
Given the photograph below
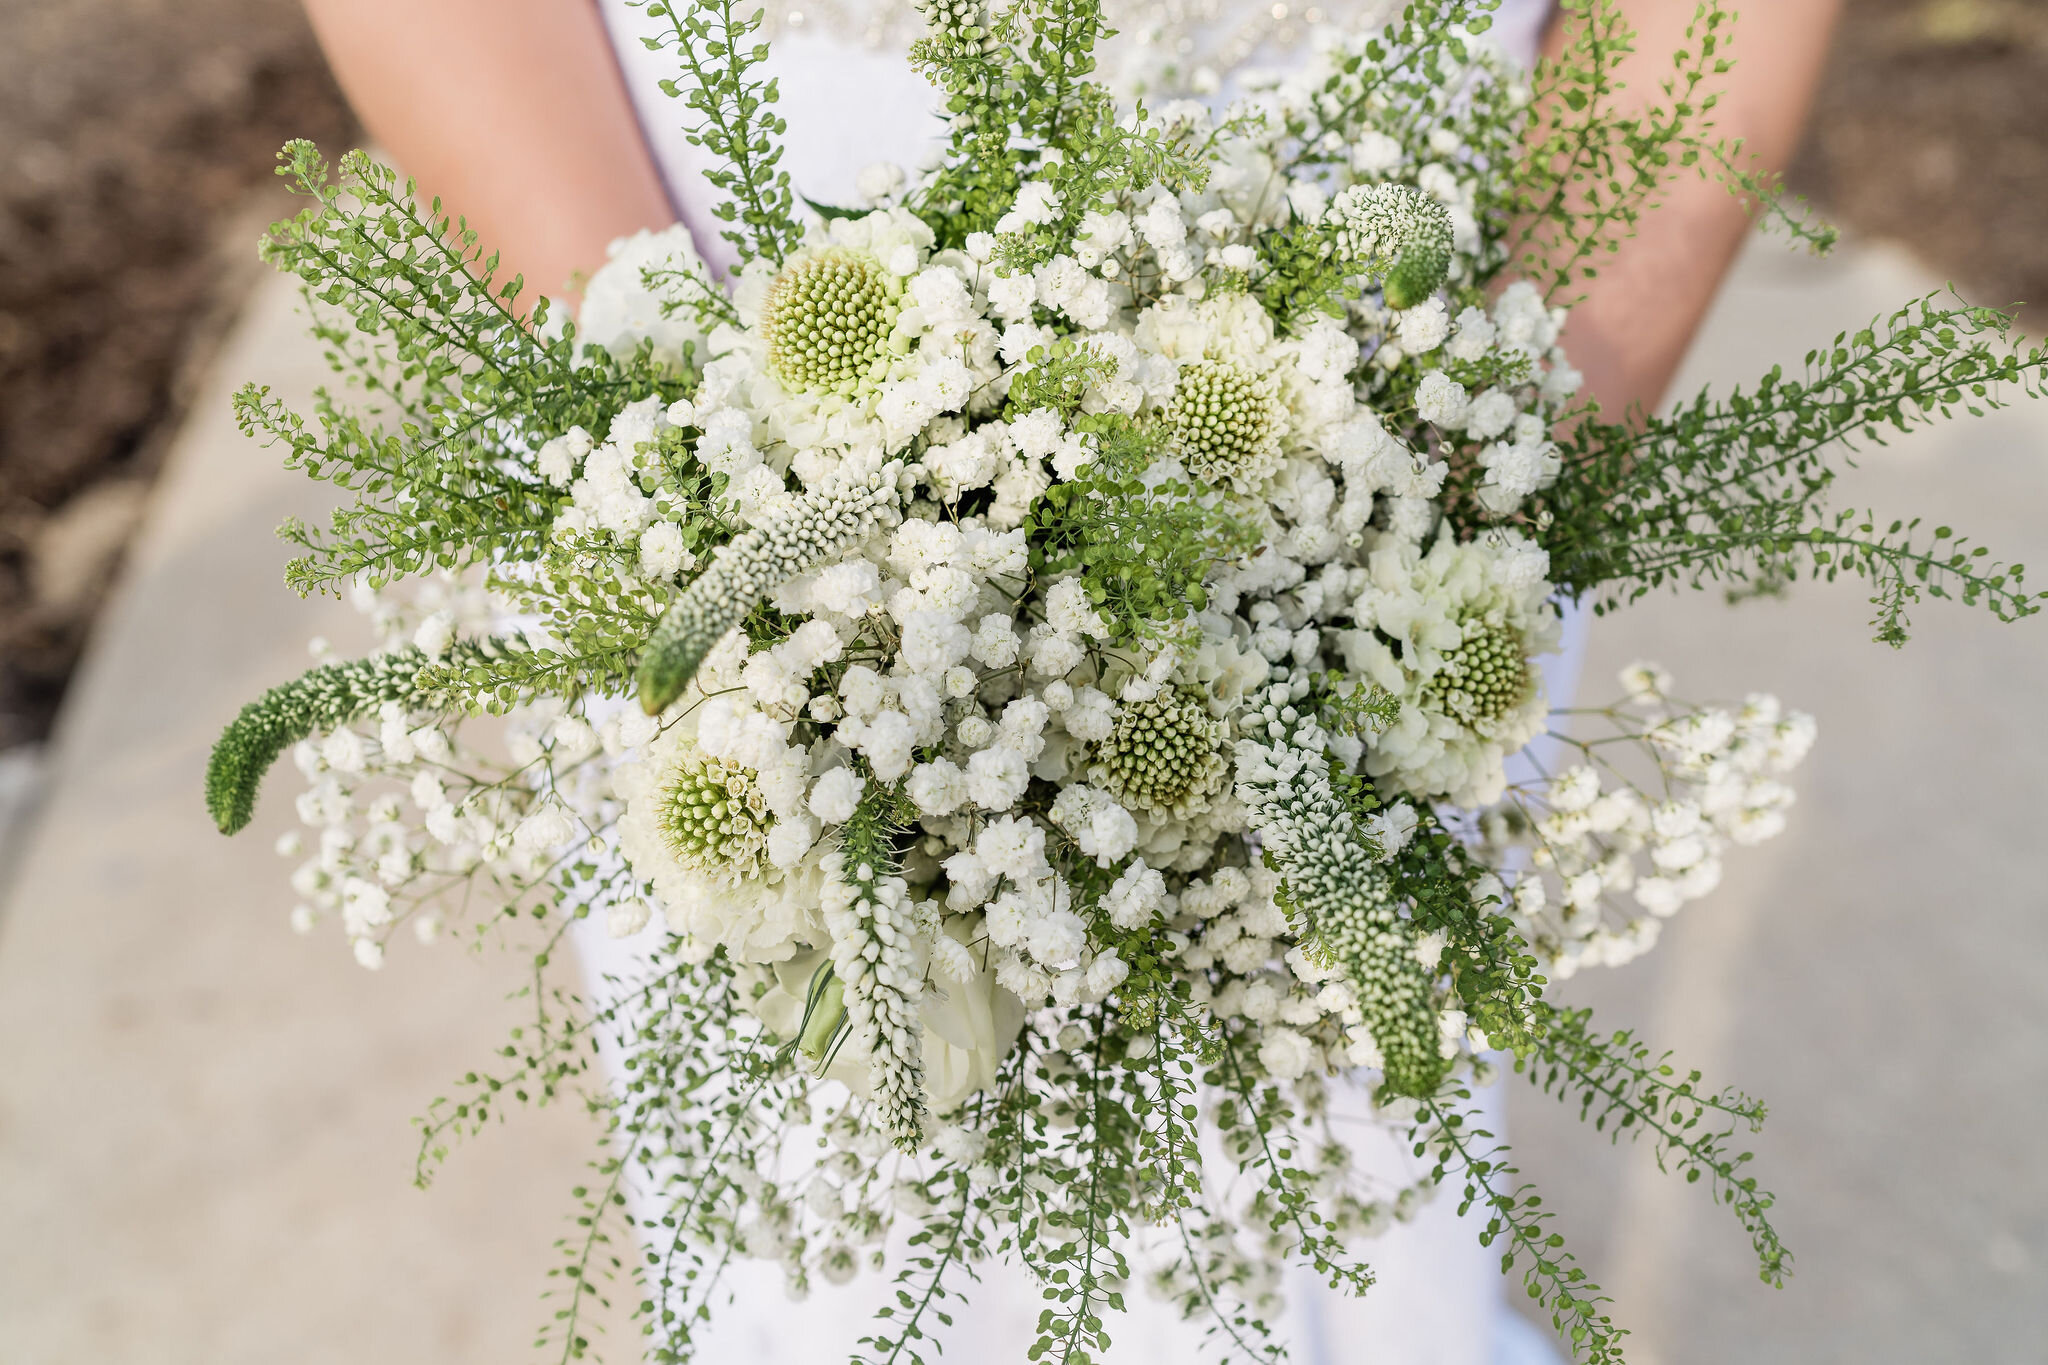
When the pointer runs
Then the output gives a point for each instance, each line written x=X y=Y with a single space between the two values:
x=1639 y=314
x=513 y=112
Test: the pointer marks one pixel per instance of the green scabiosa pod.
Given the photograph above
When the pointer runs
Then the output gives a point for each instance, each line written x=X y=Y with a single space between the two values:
x=827 y=320
x=790 y=539
x=328 y=696
x=1400 y=231
x=1227 y=422
x=1340 y=889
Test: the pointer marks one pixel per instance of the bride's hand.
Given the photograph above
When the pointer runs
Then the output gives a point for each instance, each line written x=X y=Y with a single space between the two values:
x=513 y=111
x=1631 y=330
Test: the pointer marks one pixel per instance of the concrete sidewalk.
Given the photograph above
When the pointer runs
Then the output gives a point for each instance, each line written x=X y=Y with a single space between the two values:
x=204 y=1146
x=1879 y=974
x=205 y=1139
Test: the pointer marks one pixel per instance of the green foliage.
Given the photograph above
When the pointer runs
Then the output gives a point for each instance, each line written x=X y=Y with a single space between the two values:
x=947 y=1239
x=1081 y=1266
x=494 y=676
x=481 y=675
x=1734 y=489
x=1016 y=83
x=1142 y=545
x=1517 y=1220
x=1489 y=968
x=325 y=697
x=1058 y=377
x=1402 y=80
x=1255 y=1120
x=1620 y=1088
x=457 y=383
x=737 y=123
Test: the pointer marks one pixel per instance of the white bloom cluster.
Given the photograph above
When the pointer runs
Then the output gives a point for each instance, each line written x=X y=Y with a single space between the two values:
x=407 y=824
x=883 y=424
x=1132 y=607
x=1592 y=836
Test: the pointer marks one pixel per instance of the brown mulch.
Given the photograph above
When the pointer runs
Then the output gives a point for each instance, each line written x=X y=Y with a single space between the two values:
x=1931 y=130
x=134 y=132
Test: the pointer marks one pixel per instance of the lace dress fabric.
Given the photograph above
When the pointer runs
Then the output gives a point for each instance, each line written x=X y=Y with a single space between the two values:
x=850 y=100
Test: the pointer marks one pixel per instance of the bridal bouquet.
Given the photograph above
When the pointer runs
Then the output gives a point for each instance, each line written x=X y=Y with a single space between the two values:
x=1047 y=659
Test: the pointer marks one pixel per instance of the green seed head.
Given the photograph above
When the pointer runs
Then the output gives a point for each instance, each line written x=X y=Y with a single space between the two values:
x=1483 y=679
x=714 y=817
x=1165 y=756
x=1226 y=422
x=828 y=319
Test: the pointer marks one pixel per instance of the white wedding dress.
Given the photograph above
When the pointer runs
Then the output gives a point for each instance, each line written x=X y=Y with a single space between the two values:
x=851 y=100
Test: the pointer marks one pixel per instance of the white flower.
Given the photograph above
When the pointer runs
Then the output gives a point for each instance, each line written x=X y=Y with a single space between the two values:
x=889 y=740
x=1474 y=337
x=1161 y=224
x=1285 y=1054
x=997 y=777
x=937 y=787
x=1440 y=400
x=1057 y=937
x=932 y=644
x=1100 y=234
x=662 y=555
x=435 y=634
x=365 y=906
x=1375 y=153
x=995 y=643
x=619 y=311
x=1037 y=204
x=1645 y=681
x=1012 y=848
x=834 y=795
x=1136 y=897
x=969 y=1027
x=1392 y=828
x=547 y=828
x=1011 y=296
x=1514 y=471
x=716 y=880
x=1575 y=789
x=1424 y=327
x=627 y=917
x=1468 y=619
x=879 y=181
x=1067 y=609
x=1491 y=414
x=344 y=751
x=1101 y=828
x=1106 y=973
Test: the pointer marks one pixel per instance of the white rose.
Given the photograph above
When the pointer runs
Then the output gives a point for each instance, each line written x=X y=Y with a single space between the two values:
x=968 y=1028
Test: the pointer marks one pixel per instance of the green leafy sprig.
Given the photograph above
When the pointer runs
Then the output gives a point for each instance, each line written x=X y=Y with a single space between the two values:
x=737 y=123
x=1733 y=489
x=458 y=386
x=1621 y=1088
x=1143 y=546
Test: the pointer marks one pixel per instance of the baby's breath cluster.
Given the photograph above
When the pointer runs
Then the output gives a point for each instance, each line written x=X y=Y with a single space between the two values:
x=1042 y=668
x=1618 y=841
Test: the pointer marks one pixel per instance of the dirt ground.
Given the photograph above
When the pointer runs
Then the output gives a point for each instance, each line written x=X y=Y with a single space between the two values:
x=1931 y=130
x=134 y=134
